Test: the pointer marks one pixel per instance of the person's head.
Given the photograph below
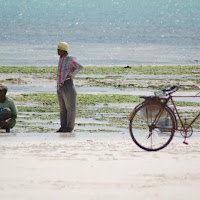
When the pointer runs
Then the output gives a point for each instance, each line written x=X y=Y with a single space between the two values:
x=3 y=91
x=63 y=48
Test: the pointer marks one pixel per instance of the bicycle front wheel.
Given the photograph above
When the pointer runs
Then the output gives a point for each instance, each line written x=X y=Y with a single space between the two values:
x=152 y=126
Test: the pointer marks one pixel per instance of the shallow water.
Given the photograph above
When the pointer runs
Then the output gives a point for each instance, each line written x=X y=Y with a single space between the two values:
x=142 y=76
x=50 y=87
x=102 y=33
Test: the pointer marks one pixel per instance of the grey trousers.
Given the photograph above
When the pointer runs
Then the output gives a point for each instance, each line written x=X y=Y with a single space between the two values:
x=67 y=103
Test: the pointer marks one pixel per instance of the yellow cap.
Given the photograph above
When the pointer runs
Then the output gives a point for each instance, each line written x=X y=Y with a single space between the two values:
x=63 y=46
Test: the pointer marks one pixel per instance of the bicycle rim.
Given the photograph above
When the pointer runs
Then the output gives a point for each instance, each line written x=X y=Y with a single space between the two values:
x=151 y=126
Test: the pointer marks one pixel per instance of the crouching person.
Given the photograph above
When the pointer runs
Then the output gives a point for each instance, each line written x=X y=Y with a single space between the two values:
x=8 y=110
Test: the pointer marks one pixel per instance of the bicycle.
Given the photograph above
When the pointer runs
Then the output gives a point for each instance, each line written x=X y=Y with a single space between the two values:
x=153 y=122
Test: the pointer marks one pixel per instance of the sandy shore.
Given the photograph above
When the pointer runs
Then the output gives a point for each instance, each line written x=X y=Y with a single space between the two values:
x=96 y=166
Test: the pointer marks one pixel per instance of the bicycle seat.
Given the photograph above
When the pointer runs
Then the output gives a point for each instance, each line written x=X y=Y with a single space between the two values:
x=172 y=89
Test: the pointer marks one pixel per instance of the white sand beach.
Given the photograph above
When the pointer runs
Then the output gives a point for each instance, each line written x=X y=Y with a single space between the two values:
x=96 y=166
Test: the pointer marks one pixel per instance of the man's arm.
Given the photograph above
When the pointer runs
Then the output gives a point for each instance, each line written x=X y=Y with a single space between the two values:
x=9 y=121
x=76 y=67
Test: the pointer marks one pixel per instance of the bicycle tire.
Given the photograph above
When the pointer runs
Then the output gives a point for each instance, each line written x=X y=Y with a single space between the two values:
x=152 y=126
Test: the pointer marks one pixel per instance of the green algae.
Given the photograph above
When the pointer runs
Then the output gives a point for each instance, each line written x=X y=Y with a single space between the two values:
x=112 y=70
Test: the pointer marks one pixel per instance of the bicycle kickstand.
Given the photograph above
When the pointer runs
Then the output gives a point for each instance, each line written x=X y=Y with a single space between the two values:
x=184 y=142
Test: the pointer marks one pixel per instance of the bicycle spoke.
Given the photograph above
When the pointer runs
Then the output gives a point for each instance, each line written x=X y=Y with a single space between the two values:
x=151 y=129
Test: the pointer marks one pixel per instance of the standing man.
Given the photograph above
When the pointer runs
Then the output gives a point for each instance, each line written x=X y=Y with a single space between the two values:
x=8 y=111
x=68 y=67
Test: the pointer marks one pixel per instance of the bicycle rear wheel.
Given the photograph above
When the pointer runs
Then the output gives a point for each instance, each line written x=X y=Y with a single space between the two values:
x=152 y=126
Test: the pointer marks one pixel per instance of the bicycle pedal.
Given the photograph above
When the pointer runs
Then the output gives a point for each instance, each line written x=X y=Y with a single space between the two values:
x=185 y=143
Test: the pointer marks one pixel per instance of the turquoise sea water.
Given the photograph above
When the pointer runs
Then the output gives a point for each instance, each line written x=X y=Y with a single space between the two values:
x=100 y=32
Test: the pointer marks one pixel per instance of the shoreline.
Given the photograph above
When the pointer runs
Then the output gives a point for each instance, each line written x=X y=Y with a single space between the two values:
x=108 y=93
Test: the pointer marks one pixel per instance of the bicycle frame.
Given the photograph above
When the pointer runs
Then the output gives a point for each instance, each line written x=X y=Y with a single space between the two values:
x=154 y=122
x=185 y=127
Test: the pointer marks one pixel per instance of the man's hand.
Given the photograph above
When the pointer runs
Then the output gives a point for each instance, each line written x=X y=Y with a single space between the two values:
x=69 y=75
x=6 y=123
